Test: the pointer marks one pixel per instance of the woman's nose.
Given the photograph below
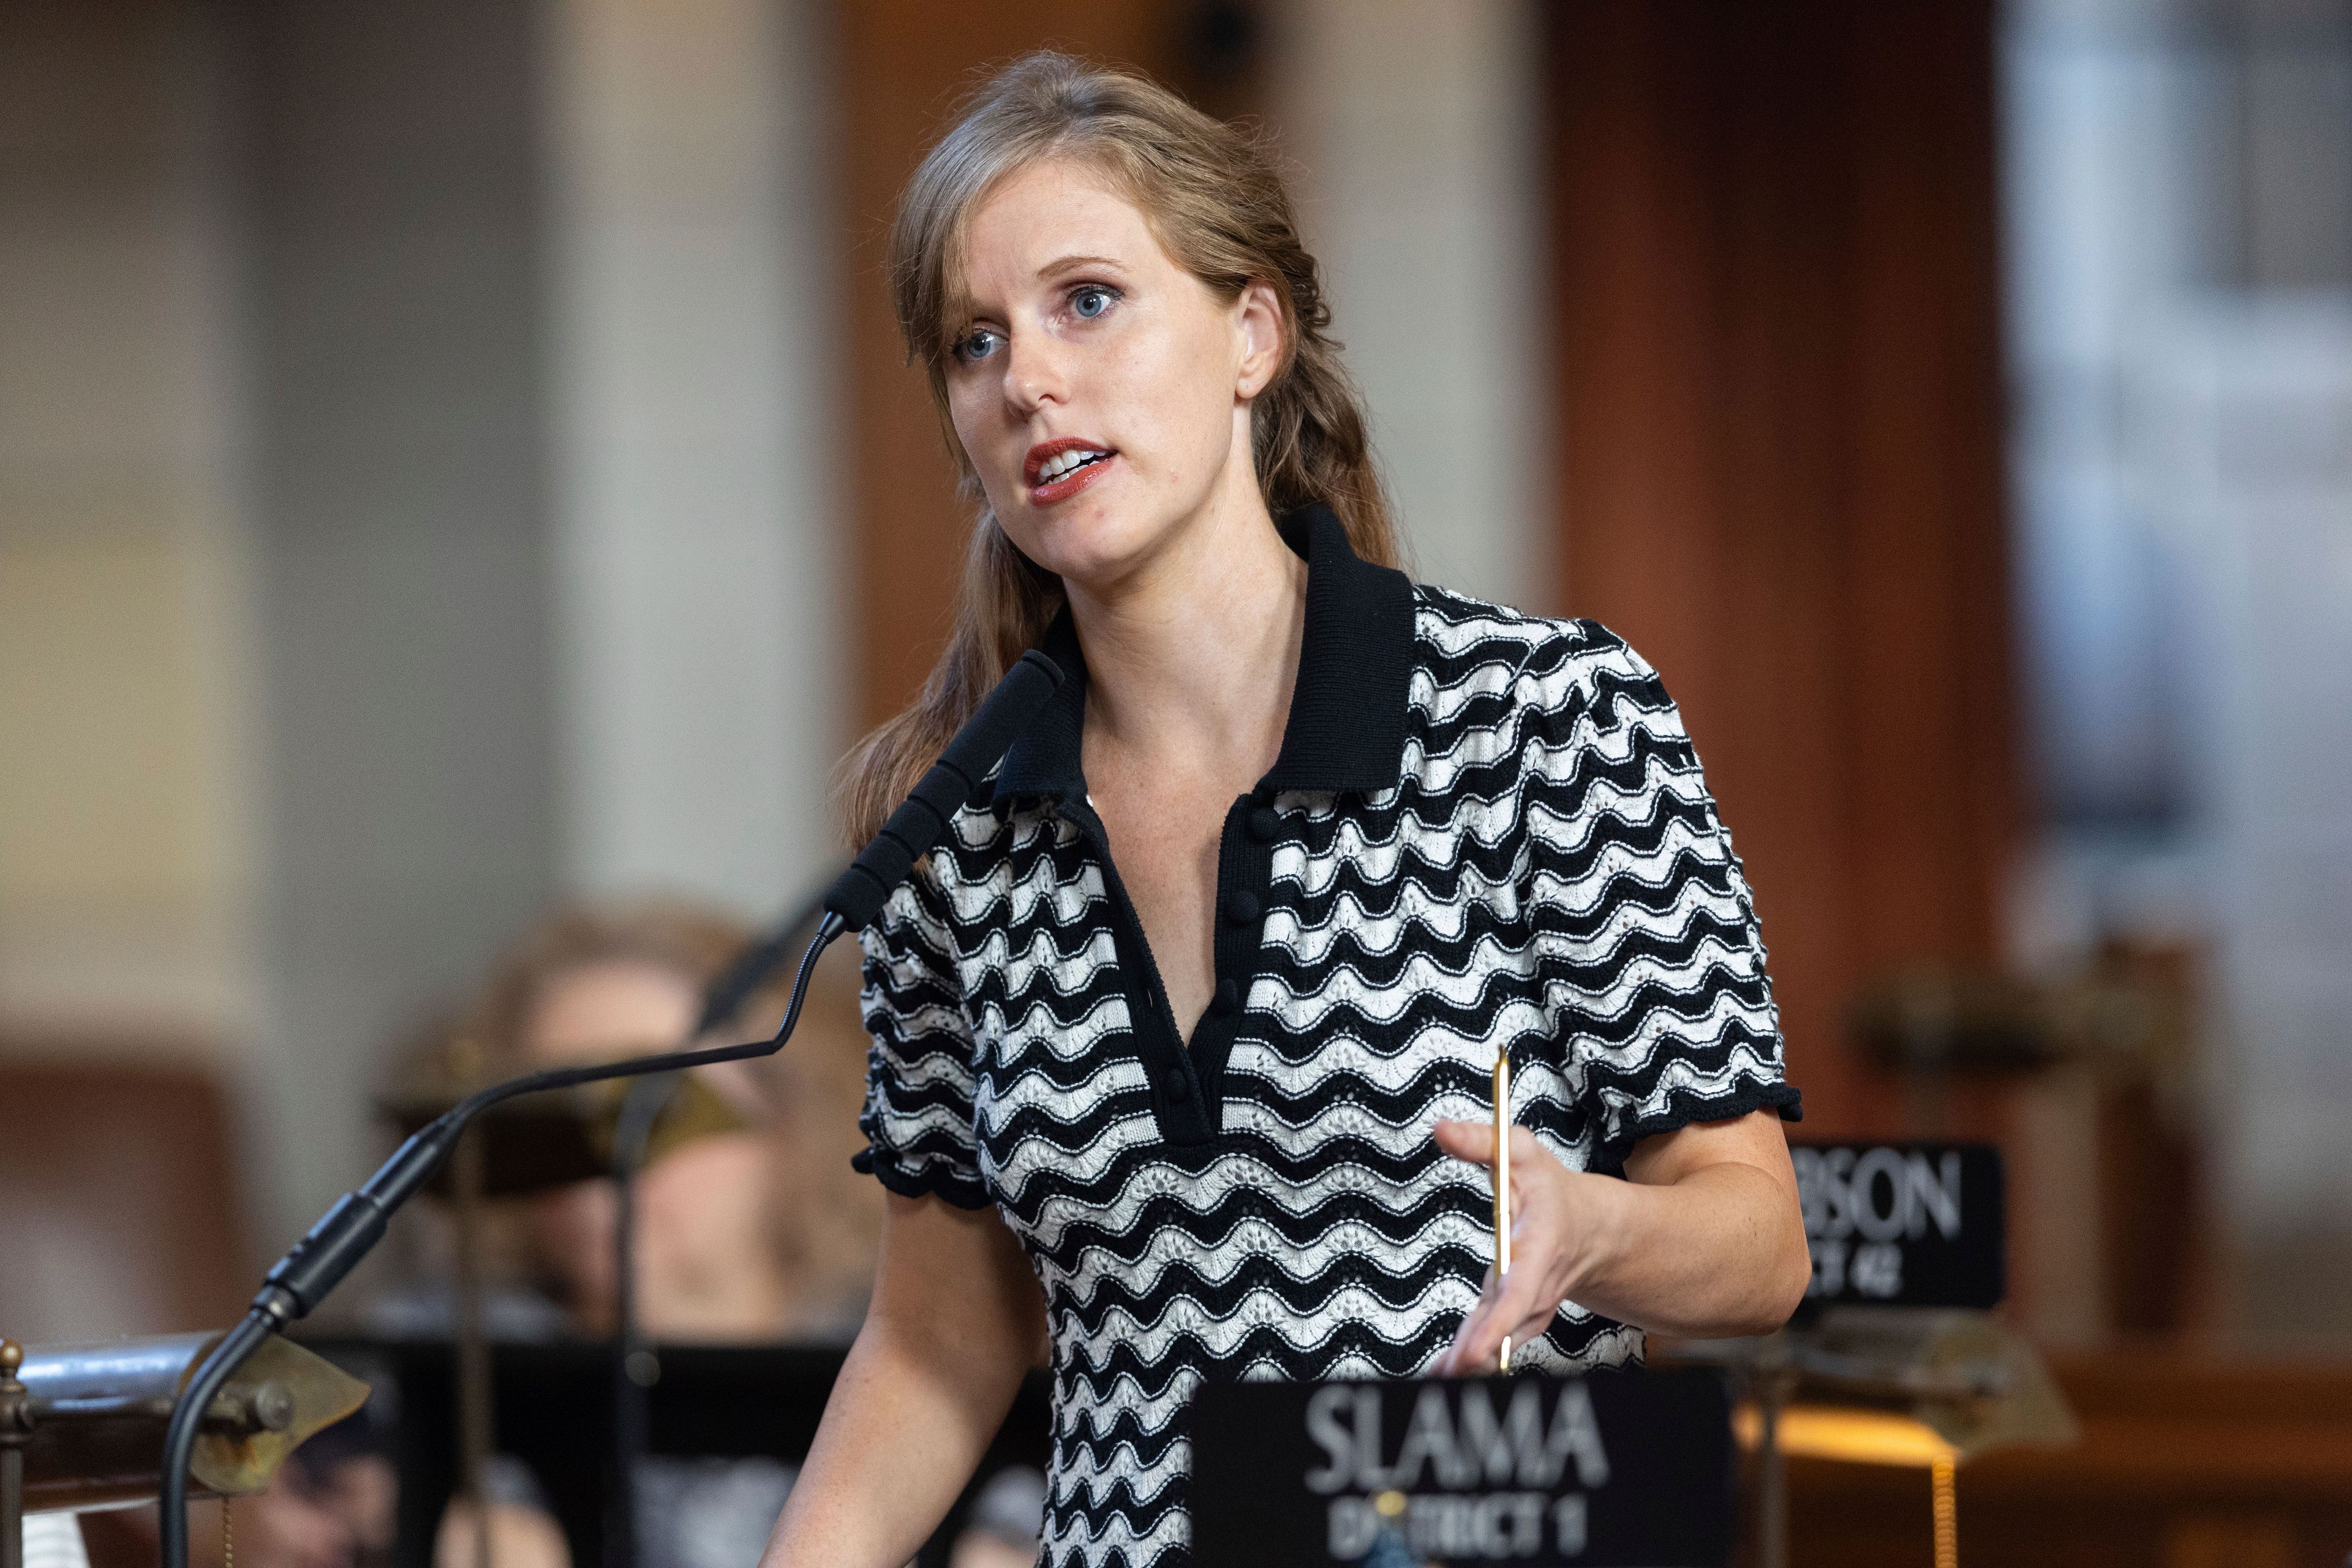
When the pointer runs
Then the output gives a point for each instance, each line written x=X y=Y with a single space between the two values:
x=1033 y=373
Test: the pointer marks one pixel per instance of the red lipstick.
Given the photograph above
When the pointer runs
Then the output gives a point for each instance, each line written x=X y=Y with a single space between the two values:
x=1068 y=481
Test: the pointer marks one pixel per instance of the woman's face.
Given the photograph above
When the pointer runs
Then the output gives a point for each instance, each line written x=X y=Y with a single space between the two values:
x=601 y=1011
x=705 y=1268
x=1100 y=391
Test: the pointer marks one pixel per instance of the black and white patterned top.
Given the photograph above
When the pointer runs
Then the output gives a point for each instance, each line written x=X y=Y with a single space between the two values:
x=1485 y=832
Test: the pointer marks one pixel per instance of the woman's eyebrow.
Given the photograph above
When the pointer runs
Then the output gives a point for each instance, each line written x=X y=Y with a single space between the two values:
x=1071 y=263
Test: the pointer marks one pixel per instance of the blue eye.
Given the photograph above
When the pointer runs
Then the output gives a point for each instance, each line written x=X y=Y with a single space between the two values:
x=975 y=345
x=1091 y=302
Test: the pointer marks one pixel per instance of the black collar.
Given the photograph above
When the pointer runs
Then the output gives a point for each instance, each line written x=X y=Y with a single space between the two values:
x=1347 y=714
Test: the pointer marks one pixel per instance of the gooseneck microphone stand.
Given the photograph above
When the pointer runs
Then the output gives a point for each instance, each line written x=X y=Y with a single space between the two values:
x=348 y=1231
x=640 y=1111
x=647 y=1098
x=318 y=1262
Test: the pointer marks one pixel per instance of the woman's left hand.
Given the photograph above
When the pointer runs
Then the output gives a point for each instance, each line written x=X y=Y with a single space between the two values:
x=1560 y=1220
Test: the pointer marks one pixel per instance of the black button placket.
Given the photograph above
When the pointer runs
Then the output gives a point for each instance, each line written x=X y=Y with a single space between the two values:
x=1346 y=732
x=1245 y=893
x=1188 y=1081
x=1184 y=1113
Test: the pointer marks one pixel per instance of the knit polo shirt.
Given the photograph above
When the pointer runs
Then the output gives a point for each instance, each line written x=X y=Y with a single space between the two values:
x=1485 y=832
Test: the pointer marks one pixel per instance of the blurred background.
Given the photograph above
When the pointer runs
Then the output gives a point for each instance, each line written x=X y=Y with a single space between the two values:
x=456 y=457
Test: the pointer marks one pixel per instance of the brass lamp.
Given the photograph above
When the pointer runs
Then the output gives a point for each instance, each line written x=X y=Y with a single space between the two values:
x=1888 y=1386
x=88 y=1418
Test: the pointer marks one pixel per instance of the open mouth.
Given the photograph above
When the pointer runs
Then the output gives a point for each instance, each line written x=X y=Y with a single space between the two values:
x=1059 y=469
x=1066 y=463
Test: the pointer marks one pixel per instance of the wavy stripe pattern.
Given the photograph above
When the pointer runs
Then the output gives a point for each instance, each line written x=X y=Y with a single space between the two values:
x=1548 y=876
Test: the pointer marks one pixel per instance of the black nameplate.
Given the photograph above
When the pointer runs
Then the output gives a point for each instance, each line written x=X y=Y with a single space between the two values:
x=1606 y=1470
x=1902 y=1225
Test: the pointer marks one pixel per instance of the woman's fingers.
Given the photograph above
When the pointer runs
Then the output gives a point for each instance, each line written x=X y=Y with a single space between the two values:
x=1445 y=1365
x=1516 y=1303
x=1471 y=1141
x=1475 y=1141
x=1477 y=1345
x=1520 y=1299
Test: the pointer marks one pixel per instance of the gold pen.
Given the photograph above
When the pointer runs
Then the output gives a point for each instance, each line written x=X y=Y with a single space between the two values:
x=1501 y=1171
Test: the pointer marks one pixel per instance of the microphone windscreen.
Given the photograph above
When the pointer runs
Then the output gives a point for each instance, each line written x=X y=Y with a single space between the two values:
x=1002 y=715
x=859 y=893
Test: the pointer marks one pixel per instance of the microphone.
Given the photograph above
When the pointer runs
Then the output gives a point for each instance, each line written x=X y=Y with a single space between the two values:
x=299 y=1281
x=858 y=894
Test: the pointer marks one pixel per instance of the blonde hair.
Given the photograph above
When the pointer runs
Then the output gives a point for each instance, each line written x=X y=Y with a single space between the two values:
x=689 y=941
x=1215 y=199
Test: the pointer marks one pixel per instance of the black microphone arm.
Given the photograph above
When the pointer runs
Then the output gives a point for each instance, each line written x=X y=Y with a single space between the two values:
x=922 y=818
x=632 y=1134
x=350 y=1230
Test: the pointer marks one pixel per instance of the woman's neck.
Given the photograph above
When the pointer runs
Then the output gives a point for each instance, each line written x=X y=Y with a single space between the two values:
x=1190 y=658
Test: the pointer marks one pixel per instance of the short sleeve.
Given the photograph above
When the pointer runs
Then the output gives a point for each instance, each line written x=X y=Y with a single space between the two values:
x=1644 y=930
x=920 y=1130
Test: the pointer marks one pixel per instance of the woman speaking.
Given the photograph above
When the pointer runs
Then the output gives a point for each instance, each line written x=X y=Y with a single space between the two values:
x=1183 y=1038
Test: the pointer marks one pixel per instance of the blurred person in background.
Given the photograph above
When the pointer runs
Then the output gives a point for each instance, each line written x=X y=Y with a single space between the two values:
x=1003 y=1528
x=333 y=1504
x=53 y=1541
x=751 y=1227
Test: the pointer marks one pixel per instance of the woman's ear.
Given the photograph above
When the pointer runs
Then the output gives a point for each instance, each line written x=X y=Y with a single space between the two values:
x=1258 y=319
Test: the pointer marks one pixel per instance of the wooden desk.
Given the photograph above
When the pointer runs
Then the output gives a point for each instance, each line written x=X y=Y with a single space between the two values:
x=2184 y=1463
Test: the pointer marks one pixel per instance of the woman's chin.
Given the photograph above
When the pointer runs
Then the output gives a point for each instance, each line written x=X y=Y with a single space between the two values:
x=1094 y=547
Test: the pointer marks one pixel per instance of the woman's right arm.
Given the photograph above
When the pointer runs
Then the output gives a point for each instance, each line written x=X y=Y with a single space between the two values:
x=957 y=1319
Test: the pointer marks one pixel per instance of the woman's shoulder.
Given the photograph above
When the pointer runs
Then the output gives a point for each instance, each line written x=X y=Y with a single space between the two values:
x=1564 y=657
x=1506 y=702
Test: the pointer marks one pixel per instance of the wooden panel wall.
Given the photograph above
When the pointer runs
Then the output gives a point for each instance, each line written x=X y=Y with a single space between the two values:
x=903 y=65
x=119 y=1205
x=1779 y=447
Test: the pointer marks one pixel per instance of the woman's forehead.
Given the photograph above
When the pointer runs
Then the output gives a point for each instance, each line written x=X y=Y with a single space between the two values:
x=623 y=983
x=1046 y=219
